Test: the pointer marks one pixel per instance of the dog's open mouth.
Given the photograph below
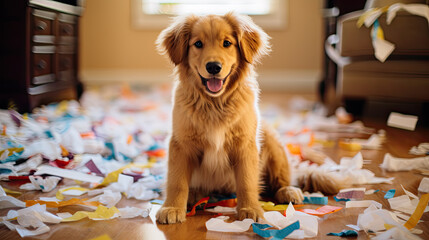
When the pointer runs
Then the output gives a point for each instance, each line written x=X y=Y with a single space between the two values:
x=213 y=85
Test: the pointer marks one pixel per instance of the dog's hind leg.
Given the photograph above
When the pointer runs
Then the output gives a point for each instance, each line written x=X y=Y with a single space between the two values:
x=275 y=167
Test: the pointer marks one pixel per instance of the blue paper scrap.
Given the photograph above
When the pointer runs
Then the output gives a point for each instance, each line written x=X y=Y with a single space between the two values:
x=390 y=194
x=315 y=200
x=261 y=230
x=344 y=233
x=341 y=199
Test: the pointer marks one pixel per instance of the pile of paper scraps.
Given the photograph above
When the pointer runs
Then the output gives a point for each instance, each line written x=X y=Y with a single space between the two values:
x=112 y=144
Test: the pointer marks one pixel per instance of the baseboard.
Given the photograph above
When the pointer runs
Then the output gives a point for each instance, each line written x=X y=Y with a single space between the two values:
x=290 y=81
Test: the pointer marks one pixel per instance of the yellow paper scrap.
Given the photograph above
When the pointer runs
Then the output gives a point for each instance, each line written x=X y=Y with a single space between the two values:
x=113 y=176
x=60 y=195
x=415 y=217
x=101 y=213
x=270 y=206
x=8 y=191
x=102 y=237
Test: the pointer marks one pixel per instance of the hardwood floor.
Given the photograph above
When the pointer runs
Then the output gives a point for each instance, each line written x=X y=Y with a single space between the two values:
x=398 y=142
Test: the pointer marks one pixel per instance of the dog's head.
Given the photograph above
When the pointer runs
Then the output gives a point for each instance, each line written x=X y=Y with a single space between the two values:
x=214 y=48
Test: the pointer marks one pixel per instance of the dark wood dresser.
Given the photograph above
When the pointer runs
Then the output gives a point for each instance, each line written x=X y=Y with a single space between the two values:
x=39 y=53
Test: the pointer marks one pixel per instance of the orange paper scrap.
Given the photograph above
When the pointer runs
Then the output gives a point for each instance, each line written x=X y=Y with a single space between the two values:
x=415 y=217
x=202 y=201
x=321 y=211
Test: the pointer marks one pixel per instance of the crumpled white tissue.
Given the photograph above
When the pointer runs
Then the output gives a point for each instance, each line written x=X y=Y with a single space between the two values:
x=405 y=203
x=218 y=224
x=424 y=185
x=108 y=198
x=46 y=184
x=308 y=224
x=132 y=212
x=220 y=209
x=391 y=163
x=138 y=190
x=35 y=216
x=374 y=219
x=8 y=201
x=47 y=147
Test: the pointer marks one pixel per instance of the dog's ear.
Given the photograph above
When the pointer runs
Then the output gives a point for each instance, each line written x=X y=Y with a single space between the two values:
x=252 y=40
x=174 y=40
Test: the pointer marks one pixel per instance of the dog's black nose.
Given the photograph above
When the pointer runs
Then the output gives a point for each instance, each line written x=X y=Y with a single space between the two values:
x=213 y=67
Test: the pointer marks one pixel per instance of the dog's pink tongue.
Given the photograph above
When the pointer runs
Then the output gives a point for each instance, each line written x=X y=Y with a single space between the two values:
x=214 y=84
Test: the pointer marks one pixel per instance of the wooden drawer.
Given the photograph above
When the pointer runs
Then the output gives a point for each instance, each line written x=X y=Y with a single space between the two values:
x=43 y=70
x=66 y=67
x=43 y=22
x=67 y=30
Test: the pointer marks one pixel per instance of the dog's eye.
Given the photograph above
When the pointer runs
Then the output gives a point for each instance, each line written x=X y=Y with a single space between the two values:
x=198 y=44
x=226 y=43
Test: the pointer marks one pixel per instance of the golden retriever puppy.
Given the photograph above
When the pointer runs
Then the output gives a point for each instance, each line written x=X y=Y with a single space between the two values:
x=218 y=143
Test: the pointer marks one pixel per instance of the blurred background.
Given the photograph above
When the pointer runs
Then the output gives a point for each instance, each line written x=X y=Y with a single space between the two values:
x=371 y=56
x=114 y=47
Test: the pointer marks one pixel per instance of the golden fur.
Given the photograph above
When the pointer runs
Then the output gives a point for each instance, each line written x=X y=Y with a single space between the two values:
x=218 y=143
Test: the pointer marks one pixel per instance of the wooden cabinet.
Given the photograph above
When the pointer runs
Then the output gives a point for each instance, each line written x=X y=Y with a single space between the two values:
x=39 y=53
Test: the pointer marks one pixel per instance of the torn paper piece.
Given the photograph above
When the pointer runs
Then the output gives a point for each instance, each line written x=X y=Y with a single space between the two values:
x=46 y=184
x=391 y=163
x=270 y=206
x=397 y=120
x=396 y=233
x=375 y=220
x=421 y=149
x=108 y=198
x=10 y=202
x=74 y=191
x=424 y=185
x=371 y=191
x=355 y=227
x=415 y=9
x=402 y=203
x=417 y=214
x=65 y=173
x=351 y=193
x=34 y=212
x=315 y=200
x=101 y=213
x=220 y=209
x=23 y=232
x=362 y=203
x=132 y=212
x=349 y=146
x=344 y=233
x=155 y=208
x=261 y=230
x=57 y=204
x=219 y=225
x=373 y=142
x=321 y=211
x=308 y=223
x=46 y=147
x=106 y=237
x=389 y=194
x=35 y=217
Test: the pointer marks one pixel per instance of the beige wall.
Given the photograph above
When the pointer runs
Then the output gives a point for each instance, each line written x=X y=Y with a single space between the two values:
x=111 y=48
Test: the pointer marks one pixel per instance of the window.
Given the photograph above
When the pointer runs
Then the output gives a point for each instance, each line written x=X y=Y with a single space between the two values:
x=155 y=14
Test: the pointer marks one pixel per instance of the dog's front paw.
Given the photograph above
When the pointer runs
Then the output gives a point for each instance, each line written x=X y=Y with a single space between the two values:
x=168 y=215
x=289 y=194
x=252 y=213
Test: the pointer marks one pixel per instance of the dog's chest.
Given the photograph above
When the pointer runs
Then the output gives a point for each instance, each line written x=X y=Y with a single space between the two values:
x=215 y=171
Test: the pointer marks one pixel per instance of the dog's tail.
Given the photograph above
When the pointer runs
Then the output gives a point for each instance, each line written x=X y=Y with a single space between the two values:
x=319 y=181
